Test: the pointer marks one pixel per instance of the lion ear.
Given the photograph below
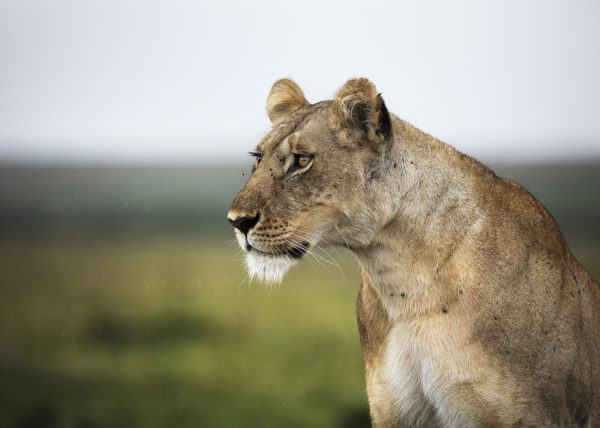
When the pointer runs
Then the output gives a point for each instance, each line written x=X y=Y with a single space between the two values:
x=284 y=98
x=363 y=107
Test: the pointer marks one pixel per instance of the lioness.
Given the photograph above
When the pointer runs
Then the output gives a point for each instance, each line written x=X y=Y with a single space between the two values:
x=472 y=310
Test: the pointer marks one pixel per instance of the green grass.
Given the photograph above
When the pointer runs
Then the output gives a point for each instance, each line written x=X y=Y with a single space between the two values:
x=166 y=331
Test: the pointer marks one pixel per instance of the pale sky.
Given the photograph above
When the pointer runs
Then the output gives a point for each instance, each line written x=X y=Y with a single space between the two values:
x=147 y=80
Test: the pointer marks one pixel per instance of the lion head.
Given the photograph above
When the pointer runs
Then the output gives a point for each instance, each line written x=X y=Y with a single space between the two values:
x=311 y=183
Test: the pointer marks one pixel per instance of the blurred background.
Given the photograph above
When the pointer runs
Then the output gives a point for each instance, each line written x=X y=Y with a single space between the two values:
x=124 y=128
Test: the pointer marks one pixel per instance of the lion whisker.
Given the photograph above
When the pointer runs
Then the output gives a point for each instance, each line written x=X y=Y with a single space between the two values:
x=318 y=256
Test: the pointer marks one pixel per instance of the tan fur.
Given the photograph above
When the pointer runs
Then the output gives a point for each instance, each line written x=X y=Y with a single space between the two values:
x=284 y=98
x=472 y=311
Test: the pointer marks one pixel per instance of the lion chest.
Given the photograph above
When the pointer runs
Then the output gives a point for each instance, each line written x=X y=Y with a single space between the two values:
x=426 y=371
x=395 y=381
x=414 y=379
x=394 y=370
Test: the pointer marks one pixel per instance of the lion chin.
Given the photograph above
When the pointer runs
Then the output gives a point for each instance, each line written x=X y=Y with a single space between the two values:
x=267 y=267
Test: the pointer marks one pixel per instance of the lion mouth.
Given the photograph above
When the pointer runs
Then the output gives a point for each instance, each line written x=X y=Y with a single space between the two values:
x=296 y=252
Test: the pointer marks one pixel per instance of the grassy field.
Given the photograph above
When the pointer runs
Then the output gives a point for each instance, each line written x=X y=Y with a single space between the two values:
x=123 y=303
x=166 y=331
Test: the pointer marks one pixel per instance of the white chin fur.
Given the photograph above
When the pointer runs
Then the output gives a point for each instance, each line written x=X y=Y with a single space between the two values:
x=267 y=268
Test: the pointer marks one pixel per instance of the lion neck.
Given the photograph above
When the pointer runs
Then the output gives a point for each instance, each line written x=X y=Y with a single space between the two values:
x=414 y=259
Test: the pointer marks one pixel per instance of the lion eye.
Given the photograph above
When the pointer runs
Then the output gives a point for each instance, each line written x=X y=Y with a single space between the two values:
x=301 y=164
x=302 y=161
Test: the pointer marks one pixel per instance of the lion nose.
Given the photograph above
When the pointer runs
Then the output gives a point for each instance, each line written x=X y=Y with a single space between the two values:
x=244 y=223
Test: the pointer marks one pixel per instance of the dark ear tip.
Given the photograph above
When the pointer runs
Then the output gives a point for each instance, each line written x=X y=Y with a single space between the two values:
x=384 y=125
x=363 y=107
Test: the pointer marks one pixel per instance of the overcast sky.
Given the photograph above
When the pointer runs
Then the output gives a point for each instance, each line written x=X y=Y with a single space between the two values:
x=146 y=80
